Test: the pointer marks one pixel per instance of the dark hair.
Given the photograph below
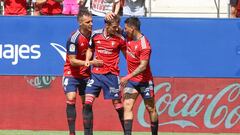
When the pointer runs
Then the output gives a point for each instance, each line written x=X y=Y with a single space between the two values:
x=116 y=19
x=83 y=11
x=133 y=22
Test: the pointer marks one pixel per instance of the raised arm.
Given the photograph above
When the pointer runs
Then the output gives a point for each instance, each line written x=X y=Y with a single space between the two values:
x=82 y=3
x=116 y=8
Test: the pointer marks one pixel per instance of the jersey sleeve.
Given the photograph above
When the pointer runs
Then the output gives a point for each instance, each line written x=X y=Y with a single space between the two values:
x=72 y=43
x=72 y=48
x=145 y=51
x=145 y=54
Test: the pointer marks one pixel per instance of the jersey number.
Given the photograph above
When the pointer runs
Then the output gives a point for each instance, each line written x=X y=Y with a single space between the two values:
x=90 y=82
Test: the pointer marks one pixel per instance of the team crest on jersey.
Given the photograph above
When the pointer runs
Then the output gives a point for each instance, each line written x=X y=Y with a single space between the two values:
x=113 y=43
x=72 y=48
x=136 y=47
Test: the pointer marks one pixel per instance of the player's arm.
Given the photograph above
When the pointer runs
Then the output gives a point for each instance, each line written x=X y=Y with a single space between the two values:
x=93 y=62
x=142 y=67
x=144 y=59
x=82 y=3
x=116 y=7
x=89 y=54
x=72 y=52
x=74 y=61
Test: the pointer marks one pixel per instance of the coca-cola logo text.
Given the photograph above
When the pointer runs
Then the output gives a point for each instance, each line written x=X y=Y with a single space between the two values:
x=215 y=113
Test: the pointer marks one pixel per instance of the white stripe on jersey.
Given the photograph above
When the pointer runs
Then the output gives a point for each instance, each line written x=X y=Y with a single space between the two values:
x=98 y=31
x=143 y=43
x=74 y=36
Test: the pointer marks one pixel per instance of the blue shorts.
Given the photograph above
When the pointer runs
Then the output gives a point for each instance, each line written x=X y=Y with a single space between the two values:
x=108 y=82
x=71 y=84
x=145 y=89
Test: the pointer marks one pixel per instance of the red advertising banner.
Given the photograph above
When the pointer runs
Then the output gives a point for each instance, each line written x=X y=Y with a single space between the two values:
x=183 y=105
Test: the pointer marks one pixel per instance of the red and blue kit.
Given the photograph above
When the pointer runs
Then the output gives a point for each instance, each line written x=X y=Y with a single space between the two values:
x=107 y=49
x=137 y=51
x=77 y=45
x=106 y=76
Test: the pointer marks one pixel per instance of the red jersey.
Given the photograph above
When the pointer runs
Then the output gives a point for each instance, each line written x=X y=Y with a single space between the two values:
x=51 y=7
x=77 y=45
x=137 y=51
x=107 y=49
x=15 y=7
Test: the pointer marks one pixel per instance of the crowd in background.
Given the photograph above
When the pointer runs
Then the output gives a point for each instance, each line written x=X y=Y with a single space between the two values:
x=235 y=8
x=98 y=7
x=71 y=7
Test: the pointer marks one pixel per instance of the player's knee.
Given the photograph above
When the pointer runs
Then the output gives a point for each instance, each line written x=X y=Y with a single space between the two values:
x=71 y=101
x=150 y=109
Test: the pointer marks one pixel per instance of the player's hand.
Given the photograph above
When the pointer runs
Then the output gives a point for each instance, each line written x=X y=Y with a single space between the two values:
x=81 y=3
x=109 y=16
x=97 y=63
x=124 y=80
x=87 y=63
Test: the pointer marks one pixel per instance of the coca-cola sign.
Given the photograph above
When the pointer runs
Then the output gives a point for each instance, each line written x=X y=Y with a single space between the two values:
x=195 y=109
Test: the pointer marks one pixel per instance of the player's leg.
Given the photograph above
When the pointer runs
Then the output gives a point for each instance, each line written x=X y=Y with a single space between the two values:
x=117 y=103
x=82 y=89
x=111 y=90
x=147 y=94
x=150 y=106
x=88 y=114
x=71 y=111
x=130 y=96
x=70 y=89
x=92 y=91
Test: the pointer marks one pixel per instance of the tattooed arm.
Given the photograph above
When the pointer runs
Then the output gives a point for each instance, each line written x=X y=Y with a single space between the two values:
x=142 y=67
